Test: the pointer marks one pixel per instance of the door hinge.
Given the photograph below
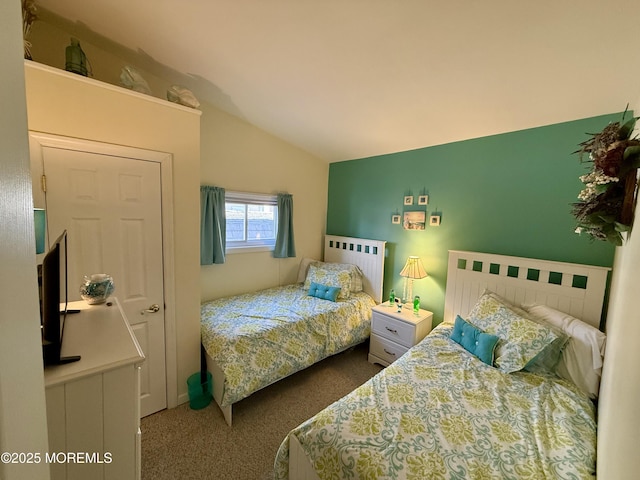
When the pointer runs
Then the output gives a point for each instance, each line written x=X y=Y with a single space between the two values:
x=43 y=183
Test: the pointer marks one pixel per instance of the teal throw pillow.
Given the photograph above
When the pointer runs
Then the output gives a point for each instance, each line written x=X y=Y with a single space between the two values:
x=323 y=291
x=474 y=340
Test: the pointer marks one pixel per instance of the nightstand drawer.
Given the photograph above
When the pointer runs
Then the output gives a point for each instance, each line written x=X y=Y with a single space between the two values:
x=400 y=332
x=386 y=350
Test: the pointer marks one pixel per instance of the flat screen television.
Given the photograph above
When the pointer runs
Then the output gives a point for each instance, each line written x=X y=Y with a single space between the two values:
x=54 y=302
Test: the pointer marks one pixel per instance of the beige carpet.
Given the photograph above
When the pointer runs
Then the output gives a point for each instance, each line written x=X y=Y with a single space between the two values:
x=184 y=444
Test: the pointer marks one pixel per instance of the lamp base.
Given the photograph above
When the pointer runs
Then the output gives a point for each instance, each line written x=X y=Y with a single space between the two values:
x=407 y=294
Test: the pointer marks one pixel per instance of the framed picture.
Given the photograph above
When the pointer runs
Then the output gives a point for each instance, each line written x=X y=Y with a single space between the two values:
x=408 y=199
x=423 y=200
x=395 y=219
x=434 y=221
x=414 y=220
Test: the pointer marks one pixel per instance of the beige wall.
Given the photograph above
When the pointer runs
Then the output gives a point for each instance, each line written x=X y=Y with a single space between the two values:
x=65 y=104
x=23 y=425
x=618 y=423
x=240 y=157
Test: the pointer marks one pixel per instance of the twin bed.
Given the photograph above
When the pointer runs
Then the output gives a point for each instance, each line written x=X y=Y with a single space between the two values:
x=441 y=412
x=255 y=339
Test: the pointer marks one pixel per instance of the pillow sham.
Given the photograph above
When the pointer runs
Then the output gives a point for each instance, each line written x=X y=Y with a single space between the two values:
x=356 y=284
x=323 y=291
x=356 y=279
x=332 y=275
x=582 y=359
x=474 y=340
x=548 y=359
x=521 y=339
x=516 y=309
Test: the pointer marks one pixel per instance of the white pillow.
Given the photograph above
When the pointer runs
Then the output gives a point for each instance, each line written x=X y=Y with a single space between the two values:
x=583 y=355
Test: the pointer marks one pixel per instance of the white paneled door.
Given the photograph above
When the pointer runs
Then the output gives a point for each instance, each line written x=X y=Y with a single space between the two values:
x=109 y=199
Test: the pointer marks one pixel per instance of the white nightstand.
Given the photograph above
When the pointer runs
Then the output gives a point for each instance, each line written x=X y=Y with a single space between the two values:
x=393 y=332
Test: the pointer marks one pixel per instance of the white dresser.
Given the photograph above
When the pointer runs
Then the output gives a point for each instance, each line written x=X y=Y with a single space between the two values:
x=93 y=406
x=393 y=332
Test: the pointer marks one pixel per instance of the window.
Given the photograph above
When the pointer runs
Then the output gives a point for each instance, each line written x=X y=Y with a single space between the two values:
x=252 y=221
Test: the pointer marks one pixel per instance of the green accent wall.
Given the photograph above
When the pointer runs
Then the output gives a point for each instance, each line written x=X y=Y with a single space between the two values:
x=509 y=194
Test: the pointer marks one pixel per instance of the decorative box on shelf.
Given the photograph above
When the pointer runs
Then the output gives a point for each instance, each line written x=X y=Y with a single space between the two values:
x=393 y=332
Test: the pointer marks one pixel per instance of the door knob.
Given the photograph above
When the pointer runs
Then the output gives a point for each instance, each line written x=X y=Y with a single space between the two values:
x=152 y=309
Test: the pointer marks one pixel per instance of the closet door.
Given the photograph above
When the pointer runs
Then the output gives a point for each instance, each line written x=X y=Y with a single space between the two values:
x=109 y=199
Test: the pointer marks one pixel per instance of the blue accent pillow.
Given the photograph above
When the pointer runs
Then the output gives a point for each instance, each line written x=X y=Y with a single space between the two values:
x=323 y=291
x=474 y=340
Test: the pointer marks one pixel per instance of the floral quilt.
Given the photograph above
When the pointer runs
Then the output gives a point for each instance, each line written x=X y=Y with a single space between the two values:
x=440 y=413
x=259 y=338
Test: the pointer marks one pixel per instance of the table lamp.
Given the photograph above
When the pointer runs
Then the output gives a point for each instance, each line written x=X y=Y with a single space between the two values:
x=413 y=270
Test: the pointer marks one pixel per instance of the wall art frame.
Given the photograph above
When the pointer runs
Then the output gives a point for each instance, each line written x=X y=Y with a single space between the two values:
x=414 y=220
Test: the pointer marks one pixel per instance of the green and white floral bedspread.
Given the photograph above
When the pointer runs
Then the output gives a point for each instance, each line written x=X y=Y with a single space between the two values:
x=440 y=413
x=259 y=338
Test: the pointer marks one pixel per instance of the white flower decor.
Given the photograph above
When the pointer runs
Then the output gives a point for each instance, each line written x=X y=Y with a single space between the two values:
x=592 y=182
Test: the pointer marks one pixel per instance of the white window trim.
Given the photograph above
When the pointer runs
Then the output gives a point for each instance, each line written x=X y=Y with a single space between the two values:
x=247 y=197
x=233 y=250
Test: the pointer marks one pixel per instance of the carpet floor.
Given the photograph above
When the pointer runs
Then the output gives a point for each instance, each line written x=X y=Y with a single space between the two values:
x=184 y=444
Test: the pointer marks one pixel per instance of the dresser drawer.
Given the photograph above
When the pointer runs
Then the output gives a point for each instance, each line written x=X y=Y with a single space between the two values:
x=385 y=350
x=398 y=331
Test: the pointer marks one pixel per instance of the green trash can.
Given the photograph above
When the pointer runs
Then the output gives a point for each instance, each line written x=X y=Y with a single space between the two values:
x=200 y=392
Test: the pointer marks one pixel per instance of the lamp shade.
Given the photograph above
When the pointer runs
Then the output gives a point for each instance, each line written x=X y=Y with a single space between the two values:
x=413 y=269
x=39 y=222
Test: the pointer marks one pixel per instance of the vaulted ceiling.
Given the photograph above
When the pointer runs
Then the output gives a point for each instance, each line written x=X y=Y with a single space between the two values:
x=346 y=79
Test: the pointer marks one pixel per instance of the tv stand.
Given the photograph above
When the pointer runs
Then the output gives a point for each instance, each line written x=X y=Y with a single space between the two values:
x=70 y=359
x=53 y=358
x=93 y=402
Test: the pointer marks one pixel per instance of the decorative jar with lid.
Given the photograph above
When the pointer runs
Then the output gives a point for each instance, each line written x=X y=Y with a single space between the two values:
x=97 y=288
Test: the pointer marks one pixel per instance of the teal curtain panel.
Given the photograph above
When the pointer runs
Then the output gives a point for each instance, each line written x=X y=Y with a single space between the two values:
x=213 y=225
x=285 y=244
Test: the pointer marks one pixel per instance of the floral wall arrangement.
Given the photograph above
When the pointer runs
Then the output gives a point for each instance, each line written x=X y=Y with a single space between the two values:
x=607 y=201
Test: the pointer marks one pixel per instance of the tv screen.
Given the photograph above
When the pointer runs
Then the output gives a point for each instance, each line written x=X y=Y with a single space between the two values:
x=54 y=301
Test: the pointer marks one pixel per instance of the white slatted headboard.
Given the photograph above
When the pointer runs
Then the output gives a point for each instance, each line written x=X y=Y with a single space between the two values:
x=569 y=287
x=366 y=254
